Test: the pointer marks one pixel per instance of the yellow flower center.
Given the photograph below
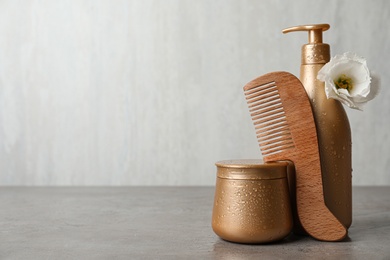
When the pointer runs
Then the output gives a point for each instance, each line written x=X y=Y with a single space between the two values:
x=344 y=82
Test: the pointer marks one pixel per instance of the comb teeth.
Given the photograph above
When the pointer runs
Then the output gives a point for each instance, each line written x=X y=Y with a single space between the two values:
x=269 y=118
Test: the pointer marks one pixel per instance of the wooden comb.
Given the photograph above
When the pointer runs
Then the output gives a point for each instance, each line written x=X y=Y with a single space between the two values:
x=282 y=115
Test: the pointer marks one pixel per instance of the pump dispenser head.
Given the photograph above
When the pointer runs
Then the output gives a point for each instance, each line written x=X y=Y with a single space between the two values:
x=315 y=52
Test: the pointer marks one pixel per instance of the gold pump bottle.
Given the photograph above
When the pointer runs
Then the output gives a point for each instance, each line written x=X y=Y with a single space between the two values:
x=333 y=129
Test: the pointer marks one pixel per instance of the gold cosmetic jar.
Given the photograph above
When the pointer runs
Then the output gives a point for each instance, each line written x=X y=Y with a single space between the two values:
x=251 y=203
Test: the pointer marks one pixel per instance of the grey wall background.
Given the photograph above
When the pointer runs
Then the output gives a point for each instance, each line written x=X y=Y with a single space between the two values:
x=150 y=92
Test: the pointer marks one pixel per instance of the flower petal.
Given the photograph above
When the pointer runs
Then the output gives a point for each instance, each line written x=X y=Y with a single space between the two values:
x=353 y=67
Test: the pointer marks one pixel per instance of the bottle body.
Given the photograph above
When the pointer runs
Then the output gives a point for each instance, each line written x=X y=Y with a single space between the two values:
x=335 y=146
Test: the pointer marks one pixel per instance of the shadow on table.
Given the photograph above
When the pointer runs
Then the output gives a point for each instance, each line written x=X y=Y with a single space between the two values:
x=292 y=246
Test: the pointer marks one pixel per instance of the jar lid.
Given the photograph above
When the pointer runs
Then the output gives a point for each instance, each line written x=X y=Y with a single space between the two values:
x=251 y=169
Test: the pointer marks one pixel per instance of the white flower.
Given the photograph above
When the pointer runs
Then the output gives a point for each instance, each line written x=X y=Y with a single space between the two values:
x=348 y=80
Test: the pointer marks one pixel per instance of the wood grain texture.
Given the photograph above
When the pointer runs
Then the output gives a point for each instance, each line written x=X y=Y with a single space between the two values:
x=299 y=145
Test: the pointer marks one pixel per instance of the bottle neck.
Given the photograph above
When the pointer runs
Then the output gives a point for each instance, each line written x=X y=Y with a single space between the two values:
x=315 y=54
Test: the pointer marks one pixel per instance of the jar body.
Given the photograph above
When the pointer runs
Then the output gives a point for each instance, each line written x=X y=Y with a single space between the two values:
x=335 y=146
x=249 y=209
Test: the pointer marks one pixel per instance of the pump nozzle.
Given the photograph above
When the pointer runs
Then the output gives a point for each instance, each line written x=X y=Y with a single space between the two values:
x=315 y=52
x=315 y=31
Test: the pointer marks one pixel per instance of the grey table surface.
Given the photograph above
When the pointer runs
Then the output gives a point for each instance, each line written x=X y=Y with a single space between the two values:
x=163 y=223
